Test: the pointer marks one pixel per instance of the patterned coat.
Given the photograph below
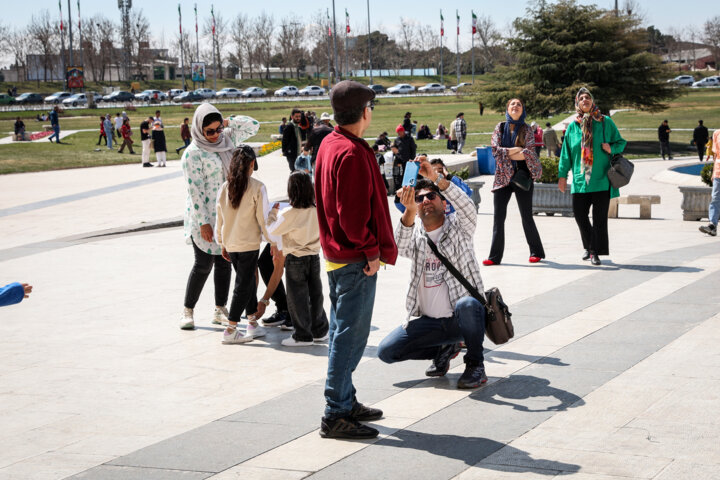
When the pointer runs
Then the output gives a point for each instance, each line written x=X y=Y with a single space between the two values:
x=503 y=165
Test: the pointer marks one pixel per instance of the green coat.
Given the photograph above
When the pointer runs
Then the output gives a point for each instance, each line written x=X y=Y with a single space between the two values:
x=570 y=157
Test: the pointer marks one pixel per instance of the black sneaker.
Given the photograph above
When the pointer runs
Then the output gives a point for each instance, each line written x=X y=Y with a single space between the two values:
x=441 y=363
x=361 y=413
x=586 y=255
x=710 y=229
x=287 y=325
x=277 y=318
x=595 y=260
x=346 y=427
x=472 y=377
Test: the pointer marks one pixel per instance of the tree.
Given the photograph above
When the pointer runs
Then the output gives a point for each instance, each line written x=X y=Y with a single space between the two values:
x=263 y=32
x=564 y=46
x=16 y=43
x=711 y=35
x=221 y=36
x=489 y=37
x=242 y=55
x=44 y=39
x=290 y=39
x=140 y=41
x=407 y=38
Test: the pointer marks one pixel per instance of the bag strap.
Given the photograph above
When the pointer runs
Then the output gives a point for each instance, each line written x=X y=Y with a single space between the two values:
x=463 y=281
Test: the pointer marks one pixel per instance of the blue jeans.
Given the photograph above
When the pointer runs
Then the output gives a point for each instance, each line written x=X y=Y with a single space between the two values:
x=109 y=140
x=56 y=133
x=352 y=297
x=423 y=337
x=715 y=202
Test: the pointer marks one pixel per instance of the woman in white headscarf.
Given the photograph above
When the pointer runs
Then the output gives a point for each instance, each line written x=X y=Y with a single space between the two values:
x=205 y=164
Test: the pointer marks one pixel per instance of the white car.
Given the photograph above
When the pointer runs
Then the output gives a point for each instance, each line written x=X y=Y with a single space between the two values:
x=457 y=87
x=206 y=92
x=682 y=80
x=174 y=92
x=228 y=92
x=312 y=90
x=81 y=99
x=432 y=88
x=708 y=82
x=147 y=95
x=57 y=97
x=286 y=91
x=253 y=92
x=401 y=88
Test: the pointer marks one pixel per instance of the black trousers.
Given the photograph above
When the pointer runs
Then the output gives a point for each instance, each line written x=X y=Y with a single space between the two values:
x=305 y=297
x=594 y=236
x=245 y=264
x=204 y=263
x=100 y=139
x=665 y=149
x=701 y=150
x=266 y=267
x=524 y=201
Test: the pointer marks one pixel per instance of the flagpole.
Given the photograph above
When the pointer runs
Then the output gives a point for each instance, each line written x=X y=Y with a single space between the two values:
x=82 y=57
x=442 y=33
x=62 y=44
x=212 y=12
x=472 y=44
x=369 y=54
x=347 y=56
x=327 y=13
x=197 y=39
x=182 y=49
x=335 y=62
x=457 y=46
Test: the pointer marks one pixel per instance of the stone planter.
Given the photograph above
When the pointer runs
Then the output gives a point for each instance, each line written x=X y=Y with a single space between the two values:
x=549 y=200
x=695 y=202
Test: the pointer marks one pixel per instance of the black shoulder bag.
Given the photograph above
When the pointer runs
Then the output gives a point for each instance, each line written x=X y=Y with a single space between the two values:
x=621 y=169
x=498 y=324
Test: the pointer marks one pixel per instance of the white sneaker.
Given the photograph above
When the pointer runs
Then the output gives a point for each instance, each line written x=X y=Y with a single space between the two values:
x=291 y=342
x=235 y=336
x=220 y=316
x=186 y=321
x=255 y=331
x=321 y=339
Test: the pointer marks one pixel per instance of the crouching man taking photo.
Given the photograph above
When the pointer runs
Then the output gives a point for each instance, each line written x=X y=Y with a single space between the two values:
x=441 y=312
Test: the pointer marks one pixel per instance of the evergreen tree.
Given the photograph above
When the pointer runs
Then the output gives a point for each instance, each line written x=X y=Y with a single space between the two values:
x=563 y=46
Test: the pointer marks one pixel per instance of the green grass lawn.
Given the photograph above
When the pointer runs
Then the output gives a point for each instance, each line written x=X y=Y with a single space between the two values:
x=80 y=150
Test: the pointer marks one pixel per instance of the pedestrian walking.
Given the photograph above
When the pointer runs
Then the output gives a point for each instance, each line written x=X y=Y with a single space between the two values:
x=159 y=145
x=126 y=132
x=184 y=135
x=107 y=125
x=700 y=138
x=55 y=123
x=103 y=136
x=356 y=235
x=664 y=138
x=714 y=208
x=297 y=225
x=517 y=167
x=460 y=131
x=590 y=142
x=293 y=136
x=146 y=140
x=240 y=226
x=551 y=141
x=407 y=123
x=205 y=163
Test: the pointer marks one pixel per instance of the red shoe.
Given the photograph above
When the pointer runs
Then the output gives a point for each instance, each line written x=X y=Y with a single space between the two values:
x=534 y=259
x=488 y=262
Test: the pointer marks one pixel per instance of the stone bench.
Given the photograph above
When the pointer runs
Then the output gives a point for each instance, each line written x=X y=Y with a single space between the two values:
x=645 y=202
x=475 y=183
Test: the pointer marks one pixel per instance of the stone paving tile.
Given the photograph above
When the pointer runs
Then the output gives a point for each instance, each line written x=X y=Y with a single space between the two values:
x=243 y=472
x=679 y=470
x=111 y=472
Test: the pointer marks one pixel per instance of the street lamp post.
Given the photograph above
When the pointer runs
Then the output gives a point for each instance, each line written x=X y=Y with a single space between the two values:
x=369 y=53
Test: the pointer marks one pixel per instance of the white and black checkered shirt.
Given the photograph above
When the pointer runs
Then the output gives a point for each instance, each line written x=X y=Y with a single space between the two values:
x=456 y=244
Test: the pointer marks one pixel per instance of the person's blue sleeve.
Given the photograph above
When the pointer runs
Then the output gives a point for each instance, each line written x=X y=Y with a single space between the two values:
x=463 y=186
x=400 y=207
x=11 y=294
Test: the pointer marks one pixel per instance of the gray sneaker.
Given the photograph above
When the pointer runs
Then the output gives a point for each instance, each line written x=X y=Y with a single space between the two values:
x=187 y=322
x=710 y=229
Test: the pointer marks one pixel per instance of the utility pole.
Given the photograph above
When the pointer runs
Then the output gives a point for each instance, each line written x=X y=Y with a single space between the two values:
x=212 y=13
x=182 y=49
x=369 y=54
x=125 y=6
x=327 y=12
x=70 y=33
x=62 y=45
x=347 y=53
x=457 y=47
x=472 y=43
x=82 y=57
x=197 y=39
x=335 y=61
x=617 y=12
x=442 y=34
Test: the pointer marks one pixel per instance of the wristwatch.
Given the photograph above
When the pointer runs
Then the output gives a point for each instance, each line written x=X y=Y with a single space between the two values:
x=265 y=302
x=439 y=177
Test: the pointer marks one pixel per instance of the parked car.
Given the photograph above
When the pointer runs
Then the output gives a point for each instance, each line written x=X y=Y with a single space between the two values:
x=377 y=88
x=191 y=96
x=708 y=82
x=147 y=95
x=228 y=93
x=311 y=90
x=286 y=91
x=206 y=92
x=253 y=92
x=29 y=98
x=119 y=96
x=457 y=87
x=80 y=99
x=432 y=88
x=57 y=97
x=683 y=80
x=401 y=88
x=174 y=92
x=6 y=99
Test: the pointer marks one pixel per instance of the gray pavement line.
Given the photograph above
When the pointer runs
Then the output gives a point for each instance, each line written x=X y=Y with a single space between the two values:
x=51 y=202
x=263 y=419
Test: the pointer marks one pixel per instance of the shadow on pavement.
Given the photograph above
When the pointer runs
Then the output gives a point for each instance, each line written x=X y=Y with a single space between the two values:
x=526 y=387
x=495 y=356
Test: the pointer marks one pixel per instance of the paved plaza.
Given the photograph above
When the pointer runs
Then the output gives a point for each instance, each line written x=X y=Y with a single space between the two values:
x=614 y=372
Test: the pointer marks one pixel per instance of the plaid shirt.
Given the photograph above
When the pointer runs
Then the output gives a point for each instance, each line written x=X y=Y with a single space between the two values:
x=456 y=244
x=460 y=129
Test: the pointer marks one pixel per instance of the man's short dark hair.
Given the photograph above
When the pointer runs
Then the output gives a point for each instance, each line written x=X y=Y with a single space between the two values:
x=700 y=122
x=294 y=111
x=461 y=114
x=665 y=121
x=424 y=183
x=548 y=124
x=185 y=119
x=348 y=117
x=435 y=161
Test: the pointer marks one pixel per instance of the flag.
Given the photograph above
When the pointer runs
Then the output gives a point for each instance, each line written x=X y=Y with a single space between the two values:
x=60 y=6
x=329 y=27
x=347 y=21
x=442 y=24
x=78 y=3
x=180 y=20
x=474 y=23
x=458 y=21
x=212 y=13
x=196 y=28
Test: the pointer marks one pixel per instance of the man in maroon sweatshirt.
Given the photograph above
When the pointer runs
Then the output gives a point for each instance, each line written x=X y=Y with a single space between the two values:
x=356 y=236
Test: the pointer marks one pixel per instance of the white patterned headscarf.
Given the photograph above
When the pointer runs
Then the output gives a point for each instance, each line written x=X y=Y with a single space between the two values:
x=223 y=146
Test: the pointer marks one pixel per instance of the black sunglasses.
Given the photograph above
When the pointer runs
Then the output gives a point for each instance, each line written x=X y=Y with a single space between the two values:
x=430 y=196
x=211 y=132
